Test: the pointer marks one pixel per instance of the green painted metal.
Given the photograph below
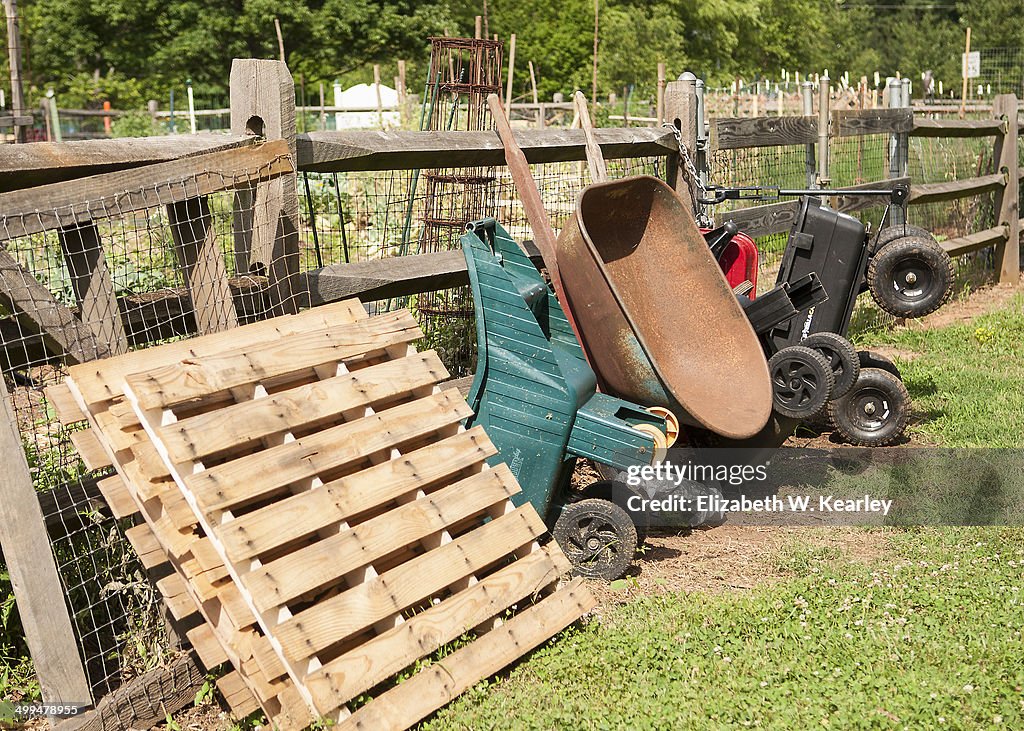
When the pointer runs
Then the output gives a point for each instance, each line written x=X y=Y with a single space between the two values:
x=533 y=391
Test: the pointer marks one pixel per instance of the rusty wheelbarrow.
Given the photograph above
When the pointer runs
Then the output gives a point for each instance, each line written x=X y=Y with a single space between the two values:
x=657 y=319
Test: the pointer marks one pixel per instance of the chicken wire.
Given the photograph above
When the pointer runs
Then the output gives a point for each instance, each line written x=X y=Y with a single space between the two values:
x=136 y=288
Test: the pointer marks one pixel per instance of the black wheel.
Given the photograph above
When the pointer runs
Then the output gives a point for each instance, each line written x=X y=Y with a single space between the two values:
x=619 y=493
x=875 y=411
x=802 y=381
x=910 y=277
x=899 y=231
x=871 y=359
x=598 y=538
x=841 y=357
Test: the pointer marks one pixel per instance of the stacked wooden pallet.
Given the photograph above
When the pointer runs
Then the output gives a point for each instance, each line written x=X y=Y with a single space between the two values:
x=318 y=509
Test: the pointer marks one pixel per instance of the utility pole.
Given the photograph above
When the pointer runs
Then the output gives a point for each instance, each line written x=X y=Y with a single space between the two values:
x=14 y=50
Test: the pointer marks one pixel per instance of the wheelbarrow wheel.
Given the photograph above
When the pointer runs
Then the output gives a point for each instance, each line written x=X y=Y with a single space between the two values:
x=802 y=381
x=619 y=493
x=841 y=357
x=598 y=538
x=875 y=411
x=899 y=231
x=910 y=277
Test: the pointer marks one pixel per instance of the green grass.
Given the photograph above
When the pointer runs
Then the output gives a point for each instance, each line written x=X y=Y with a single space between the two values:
x=928 y=639
x=926 y=635
x=966 y=380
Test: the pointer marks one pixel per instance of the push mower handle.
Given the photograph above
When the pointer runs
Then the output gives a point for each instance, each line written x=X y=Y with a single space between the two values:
x=898 y=194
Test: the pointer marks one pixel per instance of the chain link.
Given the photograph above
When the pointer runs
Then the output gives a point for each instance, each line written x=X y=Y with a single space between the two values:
x=696 y=184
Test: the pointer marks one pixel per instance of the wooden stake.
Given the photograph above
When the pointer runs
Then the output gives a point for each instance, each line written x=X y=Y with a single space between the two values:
x=533 y=85
x=511 y=68
x=376 y=88
x=963 y=93
x=280 y=39
x=660 y=114
x=14 y=56
x=593 y=84
x=478 y=32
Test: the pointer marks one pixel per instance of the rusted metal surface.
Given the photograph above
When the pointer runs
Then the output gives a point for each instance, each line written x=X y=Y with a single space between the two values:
x=658 y=320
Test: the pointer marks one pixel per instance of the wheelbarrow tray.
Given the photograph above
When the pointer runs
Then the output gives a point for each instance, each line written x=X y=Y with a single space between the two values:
x=659 y=323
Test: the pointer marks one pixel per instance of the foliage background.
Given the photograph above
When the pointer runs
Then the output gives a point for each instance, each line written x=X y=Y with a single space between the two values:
x=129 y=51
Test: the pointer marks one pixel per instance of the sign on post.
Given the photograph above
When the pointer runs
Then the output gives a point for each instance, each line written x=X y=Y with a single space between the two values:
x=971 y=63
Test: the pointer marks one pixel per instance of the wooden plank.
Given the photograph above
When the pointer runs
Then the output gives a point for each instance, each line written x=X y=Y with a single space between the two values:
x=90 y=450
x=146 y=545
x=64 y=405
x=201 y=260
x=974 y=241
x=249 y=478
x=249 y=421
x=237 y=695
x=299 y=515
x=383 y=278
x=37 y=587
x=176 y=596
x=180 y=382
x=402 y=150
x=100 y=384
x=925 y=127
x=114 y=194
x=763 y=220
x=953 y=189
x=332 y=620
x=733 y=133
x=282 y=580
x=206 y=645
x=263 y=104
x=117 y=496
x=93 y=285
x=852 y=203
x=377 y=659
x=431 y=688
x=40 y=163
x=145 y=701
x=39 y=312
x=848 y=123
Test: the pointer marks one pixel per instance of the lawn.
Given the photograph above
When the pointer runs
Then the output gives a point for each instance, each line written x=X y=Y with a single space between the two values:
x=925 y=632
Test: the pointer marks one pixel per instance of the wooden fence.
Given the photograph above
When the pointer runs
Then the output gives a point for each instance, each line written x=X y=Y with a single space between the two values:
x=56 y=186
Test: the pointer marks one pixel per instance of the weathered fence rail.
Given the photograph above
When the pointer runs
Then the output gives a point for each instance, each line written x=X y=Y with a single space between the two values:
x=69 y=188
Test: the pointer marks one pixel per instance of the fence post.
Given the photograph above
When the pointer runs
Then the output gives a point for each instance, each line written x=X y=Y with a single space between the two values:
x=1004 y=107
x=266 y=223
x=898 y=143
x=824 y=104
x=681 y=112
x=37 y=587
x=811 y=164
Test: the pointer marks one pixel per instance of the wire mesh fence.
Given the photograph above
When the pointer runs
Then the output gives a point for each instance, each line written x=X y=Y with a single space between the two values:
x=863 y=159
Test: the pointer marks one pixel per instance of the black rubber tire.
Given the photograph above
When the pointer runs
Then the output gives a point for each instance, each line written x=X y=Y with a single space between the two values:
x=841 y=356
x=899 y=231
x=910 y=277
x=802 y=381
x=618 y=494
x=871 y=359
x=875 y=412
x=598 y=538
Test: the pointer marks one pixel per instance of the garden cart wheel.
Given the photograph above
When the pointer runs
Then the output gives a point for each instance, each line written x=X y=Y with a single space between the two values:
x=910 y=277
x=598 y=537
x=619 y=494
x=875 y=411
x=841 y=357
x=899 y=231
x=802 y=381
x=871 y=359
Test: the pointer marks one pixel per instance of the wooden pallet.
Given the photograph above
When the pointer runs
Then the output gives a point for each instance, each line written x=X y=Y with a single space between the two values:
x=354 y=516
